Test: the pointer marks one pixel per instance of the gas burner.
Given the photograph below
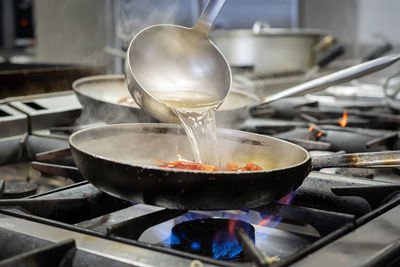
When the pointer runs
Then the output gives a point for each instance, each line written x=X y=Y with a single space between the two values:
x=211 y=237
x=19 y=189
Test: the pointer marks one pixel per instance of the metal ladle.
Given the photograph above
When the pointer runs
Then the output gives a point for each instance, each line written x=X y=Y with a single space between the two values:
x=169 y=62
x=334 y=78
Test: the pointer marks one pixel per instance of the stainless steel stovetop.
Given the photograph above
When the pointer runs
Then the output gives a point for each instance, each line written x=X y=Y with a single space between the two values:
x=333 y=218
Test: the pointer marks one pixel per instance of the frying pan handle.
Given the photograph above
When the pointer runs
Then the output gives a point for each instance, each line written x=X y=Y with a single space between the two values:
x=386 y=159
x=208 y=16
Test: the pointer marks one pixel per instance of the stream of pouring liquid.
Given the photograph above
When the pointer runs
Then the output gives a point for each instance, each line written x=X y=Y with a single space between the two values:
x=196 y=113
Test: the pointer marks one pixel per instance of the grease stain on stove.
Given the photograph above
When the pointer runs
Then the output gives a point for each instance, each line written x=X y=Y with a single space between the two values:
x=353 y=159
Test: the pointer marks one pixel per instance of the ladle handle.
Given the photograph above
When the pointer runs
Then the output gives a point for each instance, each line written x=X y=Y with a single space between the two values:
x=208 y=16
x=386 y=159
x=335 y=78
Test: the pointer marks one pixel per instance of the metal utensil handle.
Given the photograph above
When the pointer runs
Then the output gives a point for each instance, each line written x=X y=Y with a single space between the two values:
x=331 y=55
x=208 y=16
x=385 y=159
x=378 y=52
x=335 y=78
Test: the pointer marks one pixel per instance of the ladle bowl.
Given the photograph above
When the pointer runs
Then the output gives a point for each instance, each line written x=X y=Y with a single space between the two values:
x=175 y=63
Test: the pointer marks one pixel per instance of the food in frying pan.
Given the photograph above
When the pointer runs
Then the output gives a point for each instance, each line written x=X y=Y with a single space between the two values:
x=127 y=100
x=190 y=165
x=248 y=167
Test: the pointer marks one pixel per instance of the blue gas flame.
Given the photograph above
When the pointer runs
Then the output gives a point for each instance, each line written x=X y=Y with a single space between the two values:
x=175 y=240
x=195 y=245
x=226 y=245
x=226 y=248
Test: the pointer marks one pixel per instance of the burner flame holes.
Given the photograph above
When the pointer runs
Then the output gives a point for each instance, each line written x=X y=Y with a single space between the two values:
x=175 y=240
x=314 y=132
x=225 y=247
x=211 y=237
x=195 y=245
x=343 y=121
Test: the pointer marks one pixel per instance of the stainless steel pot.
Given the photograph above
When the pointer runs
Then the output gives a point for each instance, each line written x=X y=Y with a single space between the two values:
x=271 y=50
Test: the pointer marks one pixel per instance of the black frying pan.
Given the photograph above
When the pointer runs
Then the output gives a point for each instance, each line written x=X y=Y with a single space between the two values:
x=120 y=160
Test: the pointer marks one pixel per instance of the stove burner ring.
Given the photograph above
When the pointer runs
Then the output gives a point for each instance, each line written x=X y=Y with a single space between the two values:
x=19 y=189
x=211 y=237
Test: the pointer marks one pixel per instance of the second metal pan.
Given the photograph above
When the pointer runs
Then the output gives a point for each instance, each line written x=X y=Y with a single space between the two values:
x=100 y=95
x=122 y=161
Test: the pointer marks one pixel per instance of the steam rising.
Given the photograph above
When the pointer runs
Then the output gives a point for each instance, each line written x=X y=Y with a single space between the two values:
x=132 y=17
x=135 y=15
x=100 y=96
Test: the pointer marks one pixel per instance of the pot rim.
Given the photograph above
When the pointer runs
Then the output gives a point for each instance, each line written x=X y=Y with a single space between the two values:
x=270 y=32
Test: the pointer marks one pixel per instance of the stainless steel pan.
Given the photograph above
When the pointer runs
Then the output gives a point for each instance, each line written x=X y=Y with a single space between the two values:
x=101 y=94
x=121 y=160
